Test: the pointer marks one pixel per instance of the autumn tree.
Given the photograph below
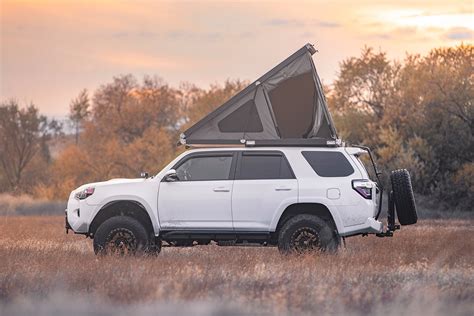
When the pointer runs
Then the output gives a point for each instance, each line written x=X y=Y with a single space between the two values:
x=79 y=112
x=23 y=136
x=434 y=113
x=365 y=83
x=416 y=114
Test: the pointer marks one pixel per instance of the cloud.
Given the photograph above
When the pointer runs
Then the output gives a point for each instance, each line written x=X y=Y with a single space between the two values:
x=459 y=33
x=327 y=24
x=301 y=23
x=399 y=33
x=140 y=60
x=134 y=34
x=285 y=22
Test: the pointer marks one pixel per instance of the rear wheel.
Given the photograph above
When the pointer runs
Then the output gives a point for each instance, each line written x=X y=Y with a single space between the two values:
x=121 y=235
x=403 y=197
x=307 y=233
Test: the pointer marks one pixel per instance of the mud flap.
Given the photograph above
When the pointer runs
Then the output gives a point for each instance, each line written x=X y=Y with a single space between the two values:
x=391 y=226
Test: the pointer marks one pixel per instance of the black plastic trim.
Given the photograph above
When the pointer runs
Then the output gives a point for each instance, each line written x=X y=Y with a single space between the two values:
x=214 y=235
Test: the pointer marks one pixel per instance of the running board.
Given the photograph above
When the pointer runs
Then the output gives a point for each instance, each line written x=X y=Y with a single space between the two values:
x=213 y=235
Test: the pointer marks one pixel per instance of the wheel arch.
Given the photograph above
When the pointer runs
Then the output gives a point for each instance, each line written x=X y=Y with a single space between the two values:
x=313 y=208
x=130 y=208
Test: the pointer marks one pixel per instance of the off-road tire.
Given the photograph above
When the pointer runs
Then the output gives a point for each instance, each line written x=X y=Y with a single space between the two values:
x=311 y=225
x=124 y=230
x=403 y=197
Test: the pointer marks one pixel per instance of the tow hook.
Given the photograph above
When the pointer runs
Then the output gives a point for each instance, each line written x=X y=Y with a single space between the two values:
x=67 y=226
x=391 y=226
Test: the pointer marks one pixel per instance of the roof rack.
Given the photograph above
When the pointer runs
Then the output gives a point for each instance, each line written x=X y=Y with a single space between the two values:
x=297 y=142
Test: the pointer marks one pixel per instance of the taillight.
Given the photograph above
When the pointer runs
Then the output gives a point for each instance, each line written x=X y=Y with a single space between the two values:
x=363 y=187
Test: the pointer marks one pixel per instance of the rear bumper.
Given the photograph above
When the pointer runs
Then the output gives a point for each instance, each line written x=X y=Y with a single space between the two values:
x=371 y=226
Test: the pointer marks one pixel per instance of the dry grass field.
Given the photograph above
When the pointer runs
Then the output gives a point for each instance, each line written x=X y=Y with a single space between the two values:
x=425 y=269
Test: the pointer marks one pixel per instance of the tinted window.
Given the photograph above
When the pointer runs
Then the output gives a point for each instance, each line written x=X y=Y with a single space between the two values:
x=248 y=114
x=205 y=168
x=328 y=163
x=253 y=167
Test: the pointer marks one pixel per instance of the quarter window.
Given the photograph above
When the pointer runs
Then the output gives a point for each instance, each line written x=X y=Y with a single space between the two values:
x=205 y=168
x=328 y=163
x=265 y=166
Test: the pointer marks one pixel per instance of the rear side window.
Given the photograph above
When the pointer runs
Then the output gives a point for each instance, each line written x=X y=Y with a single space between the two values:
x=263 y=166
x=328 y=163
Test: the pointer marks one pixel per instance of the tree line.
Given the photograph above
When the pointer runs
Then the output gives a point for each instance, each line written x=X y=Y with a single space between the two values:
x=417 y=113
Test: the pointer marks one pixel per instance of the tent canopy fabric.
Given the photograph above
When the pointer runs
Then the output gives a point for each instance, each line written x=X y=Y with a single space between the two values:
x=284 y=106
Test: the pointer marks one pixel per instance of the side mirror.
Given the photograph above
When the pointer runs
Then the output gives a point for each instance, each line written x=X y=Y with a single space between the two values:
x=144 y=175
x=170 y=176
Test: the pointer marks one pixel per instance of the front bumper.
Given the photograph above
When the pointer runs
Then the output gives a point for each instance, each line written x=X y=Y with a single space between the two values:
x=77 y=216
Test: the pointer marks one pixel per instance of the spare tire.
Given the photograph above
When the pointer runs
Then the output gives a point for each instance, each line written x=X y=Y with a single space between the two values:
x=403 y=197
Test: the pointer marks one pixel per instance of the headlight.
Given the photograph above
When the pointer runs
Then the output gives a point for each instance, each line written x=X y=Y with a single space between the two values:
x=84 y=194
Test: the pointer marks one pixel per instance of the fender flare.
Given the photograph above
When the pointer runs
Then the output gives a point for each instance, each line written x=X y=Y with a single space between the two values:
x=127 y=198
x=331 y=208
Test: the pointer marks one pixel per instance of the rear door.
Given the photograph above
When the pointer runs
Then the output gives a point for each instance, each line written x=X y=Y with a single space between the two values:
x=264 y=183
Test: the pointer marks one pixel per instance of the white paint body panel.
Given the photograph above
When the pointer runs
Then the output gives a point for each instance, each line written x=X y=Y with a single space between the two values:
x=195 y=205
x=249 y=205
x=254 y=202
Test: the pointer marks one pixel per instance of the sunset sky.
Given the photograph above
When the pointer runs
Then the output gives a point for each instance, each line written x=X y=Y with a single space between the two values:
x=50 y=50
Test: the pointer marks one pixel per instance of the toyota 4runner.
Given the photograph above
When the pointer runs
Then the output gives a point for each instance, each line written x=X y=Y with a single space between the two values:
x=296 y=198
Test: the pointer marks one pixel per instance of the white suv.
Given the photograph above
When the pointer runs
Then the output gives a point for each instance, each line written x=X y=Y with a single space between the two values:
x=296 y=198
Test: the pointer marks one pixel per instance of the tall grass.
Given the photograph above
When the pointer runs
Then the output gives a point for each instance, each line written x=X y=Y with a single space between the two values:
x=425 y=269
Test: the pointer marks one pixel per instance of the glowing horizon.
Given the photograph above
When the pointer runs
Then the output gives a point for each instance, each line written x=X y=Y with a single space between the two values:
x=50 y=50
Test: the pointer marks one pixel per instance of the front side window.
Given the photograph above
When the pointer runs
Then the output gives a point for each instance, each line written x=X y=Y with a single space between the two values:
x=205 y=168
x=266 y=166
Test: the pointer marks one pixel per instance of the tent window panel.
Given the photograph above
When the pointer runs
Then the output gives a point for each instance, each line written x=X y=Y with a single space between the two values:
x=243 y=120
x=293 y=105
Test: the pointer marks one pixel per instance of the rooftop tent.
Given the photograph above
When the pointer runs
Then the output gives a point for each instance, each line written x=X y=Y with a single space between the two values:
x=286 y=106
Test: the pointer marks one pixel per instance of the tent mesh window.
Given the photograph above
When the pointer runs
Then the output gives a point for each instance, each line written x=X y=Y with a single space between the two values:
x=291 y=101
x=247 y=113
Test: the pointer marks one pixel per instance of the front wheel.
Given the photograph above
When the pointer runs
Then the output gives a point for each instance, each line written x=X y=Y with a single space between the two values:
x=307 y=233
x=121 y=235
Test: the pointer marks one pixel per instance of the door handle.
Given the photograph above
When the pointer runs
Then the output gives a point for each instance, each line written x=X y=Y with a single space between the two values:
x=221 y=189
x=282 y=189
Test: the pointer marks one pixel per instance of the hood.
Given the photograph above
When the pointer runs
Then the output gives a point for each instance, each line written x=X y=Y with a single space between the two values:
x=110 y=182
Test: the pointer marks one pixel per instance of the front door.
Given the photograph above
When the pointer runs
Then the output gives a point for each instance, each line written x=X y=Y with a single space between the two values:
x=201 y=197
